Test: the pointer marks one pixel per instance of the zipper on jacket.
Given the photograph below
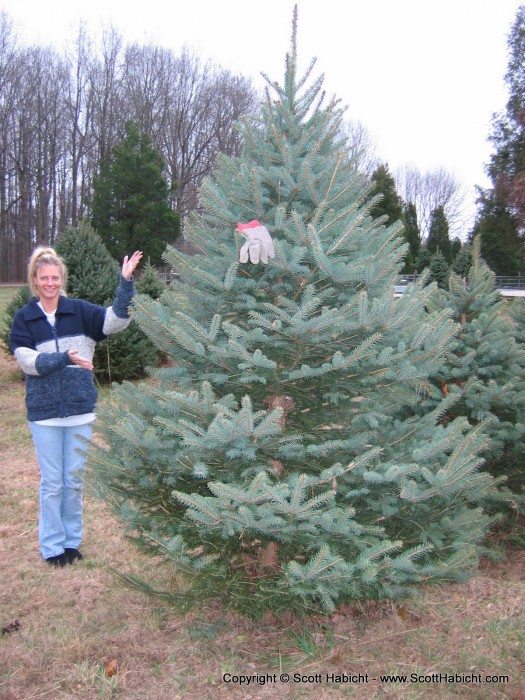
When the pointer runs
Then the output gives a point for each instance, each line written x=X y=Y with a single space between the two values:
x=55 y=335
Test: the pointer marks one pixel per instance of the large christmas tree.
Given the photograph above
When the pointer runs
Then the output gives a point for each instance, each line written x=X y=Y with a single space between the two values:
x=282 y=460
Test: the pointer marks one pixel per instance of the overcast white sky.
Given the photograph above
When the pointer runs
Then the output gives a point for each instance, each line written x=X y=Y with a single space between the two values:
x=423 y=76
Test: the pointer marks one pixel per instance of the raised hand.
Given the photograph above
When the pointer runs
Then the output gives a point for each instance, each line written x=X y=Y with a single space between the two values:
x=129 y=264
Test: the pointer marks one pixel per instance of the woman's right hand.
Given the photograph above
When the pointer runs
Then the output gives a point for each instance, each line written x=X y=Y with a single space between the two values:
x=82 y=362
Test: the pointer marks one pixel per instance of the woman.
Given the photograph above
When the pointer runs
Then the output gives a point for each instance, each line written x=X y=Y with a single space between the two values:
x=53 y=339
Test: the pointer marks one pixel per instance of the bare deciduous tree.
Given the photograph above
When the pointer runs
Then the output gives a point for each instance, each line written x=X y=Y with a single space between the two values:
x=430 y=190
x=147 y=84
x=206 y=103
x=79 y=105
x=10 y=77
x=360 y=146
x=106 y=88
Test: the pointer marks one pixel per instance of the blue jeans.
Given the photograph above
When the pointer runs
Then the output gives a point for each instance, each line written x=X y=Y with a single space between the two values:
x=61 y=457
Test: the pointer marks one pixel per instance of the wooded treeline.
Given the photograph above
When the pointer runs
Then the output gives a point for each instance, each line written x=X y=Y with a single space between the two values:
x=61 y=114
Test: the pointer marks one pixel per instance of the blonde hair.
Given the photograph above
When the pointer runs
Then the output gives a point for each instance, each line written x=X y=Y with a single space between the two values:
x=45 y=256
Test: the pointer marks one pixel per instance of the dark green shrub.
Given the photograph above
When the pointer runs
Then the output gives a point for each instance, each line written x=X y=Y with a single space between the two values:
x=20 y=298
x=150 y=283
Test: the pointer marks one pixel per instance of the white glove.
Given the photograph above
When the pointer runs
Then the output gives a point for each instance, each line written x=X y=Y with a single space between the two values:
x=259 y=244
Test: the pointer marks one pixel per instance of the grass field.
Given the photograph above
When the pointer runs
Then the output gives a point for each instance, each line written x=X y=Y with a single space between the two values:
x=81 y=632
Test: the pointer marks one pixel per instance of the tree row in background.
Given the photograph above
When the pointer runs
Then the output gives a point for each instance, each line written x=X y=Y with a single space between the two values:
x=62 y=114
x=430 y=204
x=429 y=243
x=501 y=215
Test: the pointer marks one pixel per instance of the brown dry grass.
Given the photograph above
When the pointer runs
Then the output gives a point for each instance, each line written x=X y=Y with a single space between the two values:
x=63 y=627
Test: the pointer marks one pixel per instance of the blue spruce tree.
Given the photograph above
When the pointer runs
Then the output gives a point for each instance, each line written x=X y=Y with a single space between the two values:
x=485 y=368
x=282 y=460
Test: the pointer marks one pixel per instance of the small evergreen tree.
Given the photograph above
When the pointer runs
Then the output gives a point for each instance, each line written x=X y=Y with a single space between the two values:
x=517 y=313
x=21 y=297
x=130 y=209
x=93 y=275
x=463 y=261
x=497 y=229
x=423 y=259
x=390 y=204
x=281 y=460
x=456 y=246
x=412 y=236
x=150 y=283
x=486 y=368
x=439 y=269
x=438 y=238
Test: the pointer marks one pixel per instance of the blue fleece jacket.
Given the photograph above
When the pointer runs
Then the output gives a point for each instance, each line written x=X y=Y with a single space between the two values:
x=56 y=388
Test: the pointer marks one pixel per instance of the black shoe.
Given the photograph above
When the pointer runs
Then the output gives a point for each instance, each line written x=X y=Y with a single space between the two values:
x=58 y=560
x=72 y=554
